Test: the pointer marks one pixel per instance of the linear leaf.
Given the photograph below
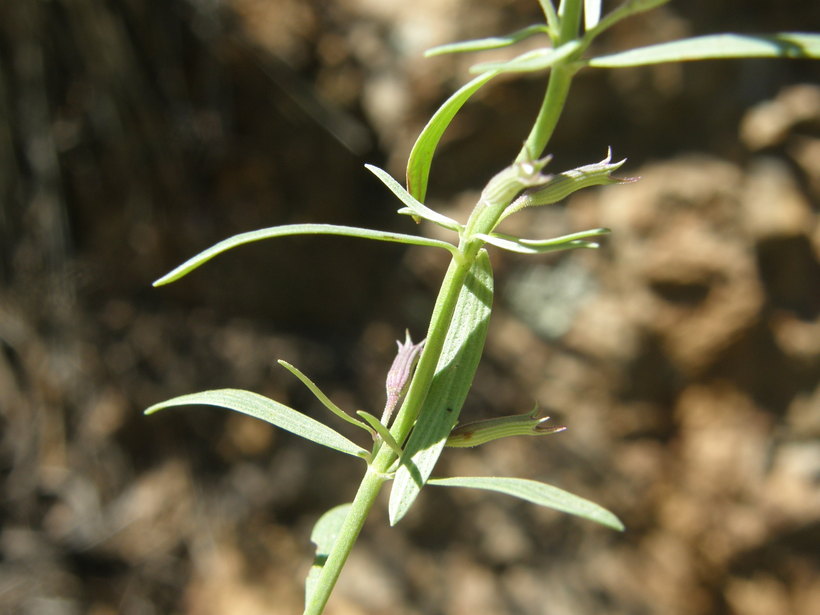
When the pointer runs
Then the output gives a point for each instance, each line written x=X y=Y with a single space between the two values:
x=421 y=156
x=454 y=376
x=380 y=429
x=543 y=246
x=592 y=13
x=537 y=493
x=320 y=395
x=324 y=535
x=414 y=207
x=270 y=411
x=296 y=229
x=534 y=60
x=716 y=46
x=492 y=42
x=630 y=7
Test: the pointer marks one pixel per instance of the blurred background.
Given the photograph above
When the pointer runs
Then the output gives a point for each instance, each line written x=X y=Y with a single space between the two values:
x=684 y=356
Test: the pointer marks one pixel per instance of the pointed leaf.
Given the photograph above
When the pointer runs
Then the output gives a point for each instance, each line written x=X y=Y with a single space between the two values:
x=537 y=493
x=324 y=399
x=592 y=13
x=493 y=42
x=324 y=536
x=296 y=229
x=270 y=411
x=421 y=156
x=716 y=46
x=630 y=7
x=553 y=22
x=532 y=61
x=414 y=207
x=543 y=246
x=454 y=376
x=380 y=429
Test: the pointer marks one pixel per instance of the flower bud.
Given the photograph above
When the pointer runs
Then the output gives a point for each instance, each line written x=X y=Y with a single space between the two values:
x=401 y=371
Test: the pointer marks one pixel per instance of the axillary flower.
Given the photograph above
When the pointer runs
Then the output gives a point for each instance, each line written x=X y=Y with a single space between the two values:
x=399 y=375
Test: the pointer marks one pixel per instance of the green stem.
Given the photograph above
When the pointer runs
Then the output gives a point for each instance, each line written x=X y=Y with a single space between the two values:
x=557 y=90
x=436 y=334
x=482 y=221
x=570 y=15
x=558 y=87
x=377 y=473
x=362 y=503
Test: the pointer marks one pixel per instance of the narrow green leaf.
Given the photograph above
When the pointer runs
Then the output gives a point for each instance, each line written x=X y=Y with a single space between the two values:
x=592 y=13
x=628 y=8
x=324 y=399
x=532 y=61
x=324 y=536
x=543 y=246
x=716 y=46
x=553 y=23
x=421 y=156
x=454 y=375
x=270 y=411
x=537 y=493
x=296 y=229
x=493 y=42
x=380 y=429
x=414 y=207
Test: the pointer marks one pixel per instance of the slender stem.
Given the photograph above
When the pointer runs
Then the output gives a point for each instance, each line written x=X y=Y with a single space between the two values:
x=416 y=393
x=553 y=104
x=365 y=497
x=483 y=220
x=436 y=334
x=557 y=88
x=570 y=15
x=552 y=18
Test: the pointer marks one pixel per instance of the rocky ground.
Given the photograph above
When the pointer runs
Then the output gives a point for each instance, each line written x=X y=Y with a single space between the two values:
x=684 y=356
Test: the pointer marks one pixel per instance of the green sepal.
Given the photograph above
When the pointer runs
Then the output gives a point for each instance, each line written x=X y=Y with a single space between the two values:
x=270 y=411
x=536 y=493
x=560 y=186
x=476 y=433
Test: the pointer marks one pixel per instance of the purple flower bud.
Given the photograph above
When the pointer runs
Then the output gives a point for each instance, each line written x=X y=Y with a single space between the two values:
x=401 y=371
